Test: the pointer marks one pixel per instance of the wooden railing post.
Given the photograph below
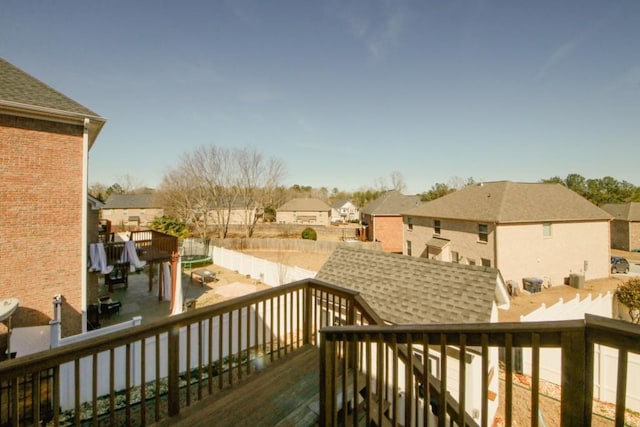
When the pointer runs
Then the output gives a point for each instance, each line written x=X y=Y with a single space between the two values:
x=307 y=327
x=574 y=368
x=174 y=371
x=323 y=419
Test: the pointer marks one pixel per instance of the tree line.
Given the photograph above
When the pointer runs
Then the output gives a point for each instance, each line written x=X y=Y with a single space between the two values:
x=210 y=184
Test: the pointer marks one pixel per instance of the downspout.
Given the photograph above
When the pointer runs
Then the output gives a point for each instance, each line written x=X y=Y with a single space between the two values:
x=495 y=246
x=84 y=222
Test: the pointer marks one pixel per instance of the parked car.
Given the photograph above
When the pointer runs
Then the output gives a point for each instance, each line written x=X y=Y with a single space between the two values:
x=619 y=265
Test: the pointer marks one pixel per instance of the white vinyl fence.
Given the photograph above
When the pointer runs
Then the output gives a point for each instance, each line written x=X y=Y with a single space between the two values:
x=267 y=272
x=606 y=358
x=119 y=374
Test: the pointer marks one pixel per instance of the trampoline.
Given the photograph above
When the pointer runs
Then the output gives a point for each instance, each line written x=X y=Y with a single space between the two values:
x=194 y=252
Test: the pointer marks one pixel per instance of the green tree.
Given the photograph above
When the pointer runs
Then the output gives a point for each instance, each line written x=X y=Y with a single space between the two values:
x=169 y=225
x=437 y=190
x=629 y=295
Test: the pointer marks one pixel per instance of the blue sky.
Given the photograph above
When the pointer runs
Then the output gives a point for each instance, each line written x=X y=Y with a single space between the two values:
x=345 y=92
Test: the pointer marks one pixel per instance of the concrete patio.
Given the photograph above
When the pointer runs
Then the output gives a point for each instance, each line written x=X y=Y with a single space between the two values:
x=138 y=301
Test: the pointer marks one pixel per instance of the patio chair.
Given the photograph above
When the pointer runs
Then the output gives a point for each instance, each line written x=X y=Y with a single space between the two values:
x=118 y=276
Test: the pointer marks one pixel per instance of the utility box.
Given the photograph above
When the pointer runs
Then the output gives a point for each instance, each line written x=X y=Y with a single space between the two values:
x=532 y=284
x=576 y=281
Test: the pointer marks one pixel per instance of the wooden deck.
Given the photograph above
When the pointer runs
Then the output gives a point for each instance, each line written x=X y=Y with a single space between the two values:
x=280 y=395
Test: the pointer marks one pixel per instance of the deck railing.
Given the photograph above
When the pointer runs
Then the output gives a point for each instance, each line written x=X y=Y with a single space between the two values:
x=151 y=245
x=150 y=372
x=391 y=385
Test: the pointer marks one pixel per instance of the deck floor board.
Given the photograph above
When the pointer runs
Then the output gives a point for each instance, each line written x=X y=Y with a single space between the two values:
x=266 y=398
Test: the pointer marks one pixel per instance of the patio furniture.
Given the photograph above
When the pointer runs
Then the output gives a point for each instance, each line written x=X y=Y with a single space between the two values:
x=107 y=307
x=203 y=276
x=118 y=276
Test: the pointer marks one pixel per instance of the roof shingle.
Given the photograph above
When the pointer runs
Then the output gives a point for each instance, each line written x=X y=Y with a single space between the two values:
x=512 y=202
x=409 y=290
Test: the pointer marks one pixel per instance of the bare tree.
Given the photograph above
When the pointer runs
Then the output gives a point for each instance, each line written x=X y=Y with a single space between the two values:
x=210 y=183
x=258 y=179
x=397 y=181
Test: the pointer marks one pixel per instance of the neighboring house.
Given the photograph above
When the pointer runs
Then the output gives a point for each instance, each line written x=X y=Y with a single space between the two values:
x=344 y=210
x=523 y=229
x=381 y=219
x=236 y=215
x=131 y=211
x=45 y=138
x=407 y=290
x=304 y=211
x=625 y=227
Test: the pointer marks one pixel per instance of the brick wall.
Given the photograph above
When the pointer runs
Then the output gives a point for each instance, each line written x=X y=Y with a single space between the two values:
x=388 y=230
x=41 y=205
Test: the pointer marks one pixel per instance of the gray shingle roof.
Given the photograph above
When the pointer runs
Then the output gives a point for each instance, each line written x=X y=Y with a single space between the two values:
x=623 y=211
x=409 y=290
x=512 y=202
x=304 y=205
x=18 y=87
x=131 y=201
x=391 y=203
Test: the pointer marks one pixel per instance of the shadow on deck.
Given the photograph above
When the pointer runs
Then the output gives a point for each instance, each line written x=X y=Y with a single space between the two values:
x=283 y=394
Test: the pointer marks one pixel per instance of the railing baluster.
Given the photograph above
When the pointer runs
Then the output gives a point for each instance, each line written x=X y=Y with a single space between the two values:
x=127 y=389
x=535 y=378
x=285 y=311
x=508 y=381
x=462 y=383
x=485 y=380
x=442 y=398
x=94 y=390
x=248 y=340
x=76 y=384
x=210 y=357
x=36 y=390
x=345 y=378
x=143 y=381
x=381 y=365
x=426 y=380
x=394 y=379
x=112 y=391
x=200 y=358
x=409 y=383
x=230 y=343
x=220 y=352
x=187 y=373
x=173 y=354
x=621 y=390
x=271 y=328
x=156 y=398
x=369 y=382
x=239 y=343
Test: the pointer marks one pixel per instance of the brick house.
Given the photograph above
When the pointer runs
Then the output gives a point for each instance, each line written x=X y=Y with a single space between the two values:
x=381 y=219
x=131 y=211
x=523 y=229
x=304 y=211
x=625 y=226
x=44 y=142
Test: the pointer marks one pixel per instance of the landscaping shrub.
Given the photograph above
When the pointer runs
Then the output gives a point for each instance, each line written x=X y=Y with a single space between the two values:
x=629 y=295
x=309 y=234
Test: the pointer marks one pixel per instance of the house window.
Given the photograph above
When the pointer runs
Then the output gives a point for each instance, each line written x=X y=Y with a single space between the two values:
x=455 y=257
x=409 y=247
x=483 y=232
x=410 y=223
x=546 y=230
x=436 y=226
x=486 y=262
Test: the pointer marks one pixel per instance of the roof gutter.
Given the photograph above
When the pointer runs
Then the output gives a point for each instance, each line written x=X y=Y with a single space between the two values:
x=44 y=113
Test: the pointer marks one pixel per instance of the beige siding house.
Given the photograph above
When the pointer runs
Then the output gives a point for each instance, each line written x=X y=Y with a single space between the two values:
x=523 y=229
x=625 y=227
x=304 y=211
x=131 y=211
